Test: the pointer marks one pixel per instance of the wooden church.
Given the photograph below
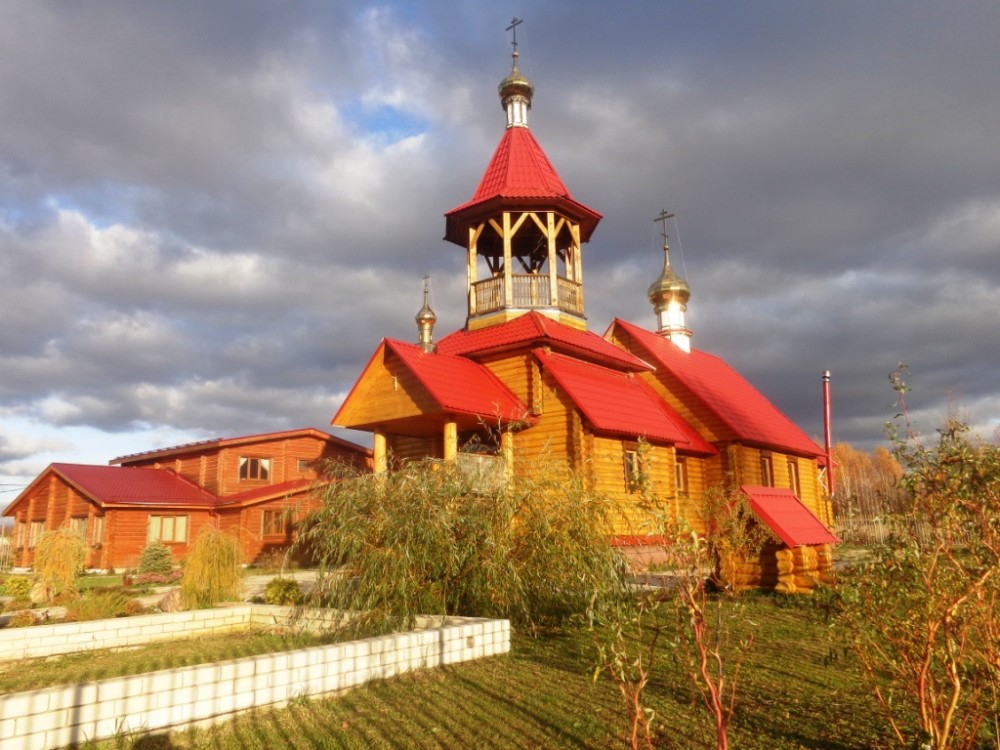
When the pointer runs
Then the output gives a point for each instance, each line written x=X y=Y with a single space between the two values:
x=526 y=381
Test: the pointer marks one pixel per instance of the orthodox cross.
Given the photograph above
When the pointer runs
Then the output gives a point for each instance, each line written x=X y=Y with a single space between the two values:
x=514 y=23
x=662 y=218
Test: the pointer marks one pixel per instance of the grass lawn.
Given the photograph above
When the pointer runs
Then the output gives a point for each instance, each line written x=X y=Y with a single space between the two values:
x=797 y=690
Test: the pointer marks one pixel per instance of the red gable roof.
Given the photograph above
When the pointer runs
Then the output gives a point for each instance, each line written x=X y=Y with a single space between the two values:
x=215 y=443
x=787 y=516
x=740 y=406
x=518 y=173
x=458 y=384
x=127 y=485
x=536 y=329
x=619 y=403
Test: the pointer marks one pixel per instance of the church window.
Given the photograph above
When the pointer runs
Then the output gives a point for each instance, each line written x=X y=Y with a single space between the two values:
x=793 y=477
x=681 y=476
x=766 y=470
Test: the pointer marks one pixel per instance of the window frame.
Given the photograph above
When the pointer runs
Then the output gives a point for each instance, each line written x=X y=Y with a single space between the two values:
x=794 y=479
x=766 y=469
x=277 y=522
x=254 y=469
x=632 y=468
x=176 y=523
x=682 y=480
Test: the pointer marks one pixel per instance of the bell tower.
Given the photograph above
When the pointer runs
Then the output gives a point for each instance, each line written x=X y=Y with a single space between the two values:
x=522 y=230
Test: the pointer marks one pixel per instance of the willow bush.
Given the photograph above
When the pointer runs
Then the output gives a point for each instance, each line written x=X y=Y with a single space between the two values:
x=429 y=539
x=212 y=570
x=59 y=558
x=924 y=614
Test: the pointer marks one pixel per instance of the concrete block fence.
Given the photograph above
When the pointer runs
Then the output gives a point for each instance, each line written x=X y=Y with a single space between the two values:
x=174 y=698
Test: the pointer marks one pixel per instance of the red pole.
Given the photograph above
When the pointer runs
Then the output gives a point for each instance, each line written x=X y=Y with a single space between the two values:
x=826 y=429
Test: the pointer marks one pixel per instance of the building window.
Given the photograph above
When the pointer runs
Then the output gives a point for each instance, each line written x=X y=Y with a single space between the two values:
x=277 y=522
x=681 y=476
x=793 y=477
x=255 y=468
x=632 y=464
x=766 y=470
x=97 y=531
x=22 y=534
x=37 y=529
x=305 y=466
x=167 y=529
x=78 y=525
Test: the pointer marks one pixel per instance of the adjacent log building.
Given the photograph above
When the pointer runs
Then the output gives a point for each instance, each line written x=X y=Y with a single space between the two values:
x=257 y=486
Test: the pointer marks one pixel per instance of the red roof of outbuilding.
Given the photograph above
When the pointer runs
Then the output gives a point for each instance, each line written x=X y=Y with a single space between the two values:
x=737 y=404
x=787 y=516
x=534 y=328
x=214 y=443
x=458 y=384
x=121 y=485
x=518 y=173
x=619 y=403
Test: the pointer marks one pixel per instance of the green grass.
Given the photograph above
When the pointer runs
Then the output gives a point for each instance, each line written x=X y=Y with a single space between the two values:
x=798 y=689
x=85 y=666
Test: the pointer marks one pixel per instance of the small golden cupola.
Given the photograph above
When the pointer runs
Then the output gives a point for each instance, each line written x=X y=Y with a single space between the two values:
x=426 y=320
x=522 y=230
x=669 y=295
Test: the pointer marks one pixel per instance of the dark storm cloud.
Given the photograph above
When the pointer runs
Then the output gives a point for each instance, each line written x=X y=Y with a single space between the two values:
x=211 y=213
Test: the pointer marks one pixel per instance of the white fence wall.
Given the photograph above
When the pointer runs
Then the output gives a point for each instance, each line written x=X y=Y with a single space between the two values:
x=174 y=698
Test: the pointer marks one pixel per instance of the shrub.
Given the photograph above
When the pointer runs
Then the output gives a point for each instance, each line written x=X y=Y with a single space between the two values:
x=156 y=557
x=924 y=615
x=22 y=619
x=18 y=587
x=59 y=558
x=158 y=579
x=212 y=570
x=134 y=607
x=429 y=539
x=97 y=606
x=283 y=591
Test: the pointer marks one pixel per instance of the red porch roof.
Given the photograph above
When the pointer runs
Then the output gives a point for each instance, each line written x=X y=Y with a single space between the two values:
x=519 y=174
x=460 y=385
x=736 y=403
x=536 y=329
x=787 y=516
x=619 y=403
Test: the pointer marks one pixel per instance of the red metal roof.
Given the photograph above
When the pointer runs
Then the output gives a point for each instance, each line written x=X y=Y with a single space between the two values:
x=740 y=406
x=619 y=403
x=282 y=489
x=212 y=443
x=127 y=485
x=536 y=329
x=519 y=172
x=787 y=516
x=458 y=384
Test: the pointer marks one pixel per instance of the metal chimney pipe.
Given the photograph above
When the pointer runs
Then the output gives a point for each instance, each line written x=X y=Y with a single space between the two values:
x=826 y=430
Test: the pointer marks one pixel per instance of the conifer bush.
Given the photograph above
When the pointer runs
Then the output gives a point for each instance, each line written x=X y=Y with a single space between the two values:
x=212 y=570
x=156 y=557
x=59 y=557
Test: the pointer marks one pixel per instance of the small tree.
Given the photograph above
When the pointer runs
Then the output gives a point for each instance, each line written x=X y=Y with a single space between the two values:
x=156 y=557
x=59 y=557
x=212 y=570
x=687 y=613
x=429 y=538
x=923 y=615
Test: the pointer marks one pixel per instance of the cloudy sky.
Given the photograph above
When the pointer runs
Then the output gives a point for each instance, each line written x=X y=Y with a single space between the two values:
x=210 y=213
